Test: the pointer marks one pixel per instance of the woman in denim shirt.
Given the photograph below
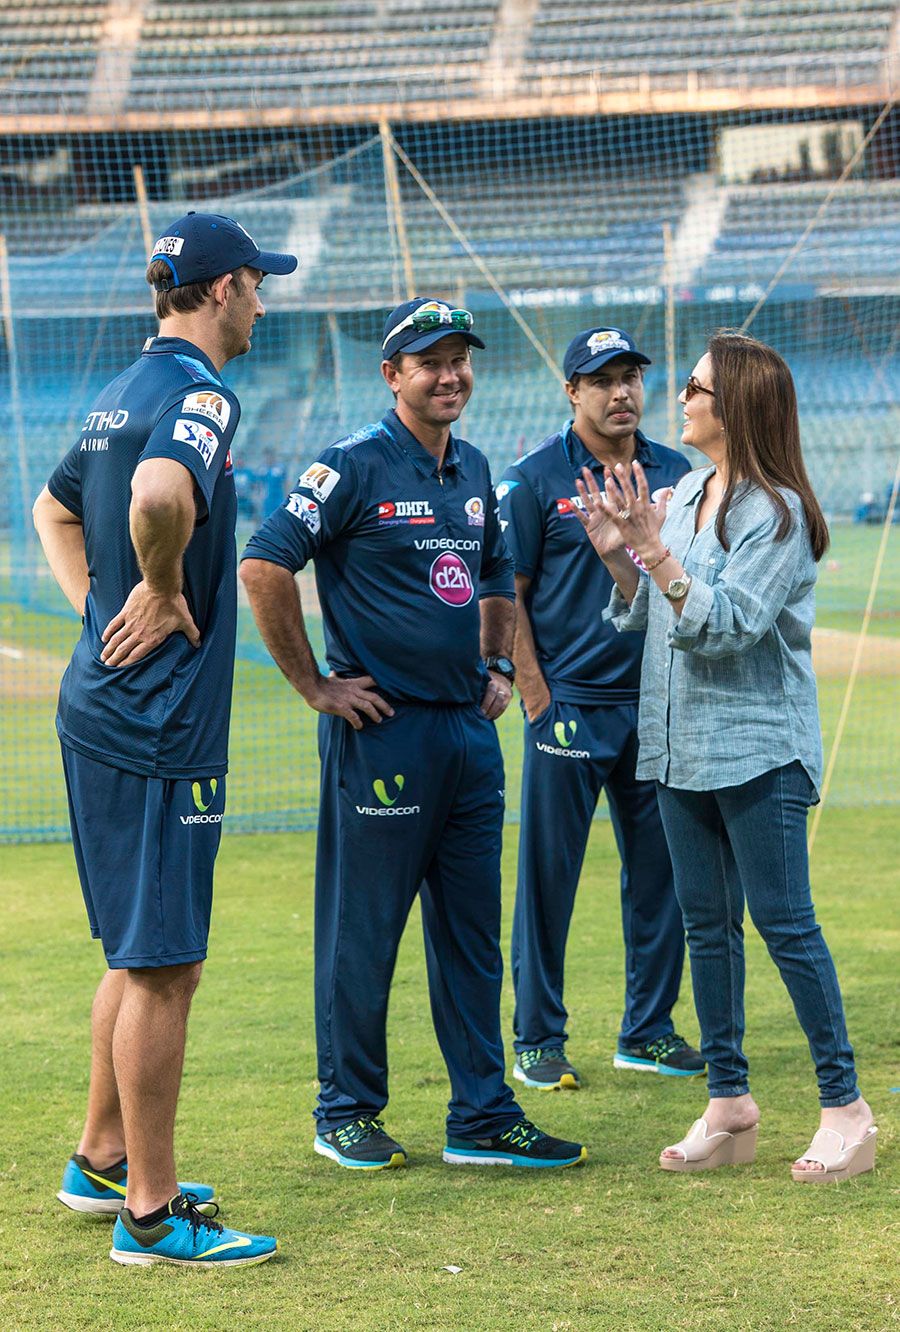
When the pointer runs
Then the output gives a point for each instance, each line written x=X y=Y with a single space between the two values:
x=729 y=729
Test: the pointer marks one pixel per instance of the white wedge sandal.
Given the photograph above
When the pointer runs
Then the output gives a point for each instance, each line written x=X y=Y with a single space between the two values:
x=702 y=1150
x=830 y=1149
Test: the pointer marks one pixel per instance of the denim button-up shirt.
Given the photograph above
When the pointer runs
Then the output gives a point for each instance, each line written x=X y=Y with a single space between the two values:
x=727 y=689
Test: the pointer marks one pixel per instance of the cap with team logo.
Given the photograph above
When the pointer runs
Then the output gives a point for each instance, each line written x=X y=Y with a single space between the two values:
x=202 y=246
x=595 y=346
x=416 y=324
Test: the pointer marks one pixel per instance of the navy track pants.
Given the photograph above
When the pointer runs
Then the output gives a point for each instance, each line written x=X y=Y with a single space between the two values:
x=411 y=804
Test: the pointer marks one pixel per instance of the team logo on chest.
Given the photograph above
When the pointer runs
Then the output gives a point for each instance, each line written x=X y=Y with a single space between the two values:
x=475 y=511
x=392 y=513
x=450 y=580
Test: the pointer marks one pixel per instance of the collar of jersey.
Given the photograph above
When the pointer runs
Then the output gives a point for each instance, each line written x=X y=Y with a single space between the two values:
x=171 y=346
x=425 y=462
x=579 y=456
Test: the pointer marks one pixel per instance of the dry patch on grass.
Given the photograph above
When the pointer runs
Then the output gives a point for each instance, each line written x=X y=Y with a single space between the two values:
x=835 y=649
x=29 y=673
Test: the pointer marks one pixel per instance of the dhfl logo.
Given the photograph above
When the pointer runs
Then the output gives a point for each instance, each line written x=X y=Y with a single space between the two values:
x=386 y=510
x=450 y=580
x=567 y=504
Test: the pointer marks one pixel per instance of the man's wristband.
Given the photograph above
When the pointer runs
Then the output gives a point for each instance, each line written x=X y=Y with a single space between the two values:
x=656 y=563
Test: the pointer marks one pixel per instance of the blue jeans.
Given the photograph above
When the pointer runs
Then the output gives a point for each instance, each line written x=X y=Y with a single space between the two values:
x=750 y=841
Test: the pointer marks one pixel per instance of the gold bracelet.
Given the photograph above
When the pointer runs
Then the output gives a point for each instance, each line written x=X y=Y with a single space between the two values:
x=662 y=559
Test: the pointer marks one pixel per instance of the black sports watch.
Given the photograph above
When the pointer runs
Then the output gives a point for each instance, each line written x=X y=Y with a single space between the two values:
x=503 y=666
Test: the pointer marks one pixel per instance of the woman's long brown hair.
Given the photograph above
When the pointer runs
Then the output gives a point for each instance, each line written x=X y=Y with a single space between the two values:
x=757 y=404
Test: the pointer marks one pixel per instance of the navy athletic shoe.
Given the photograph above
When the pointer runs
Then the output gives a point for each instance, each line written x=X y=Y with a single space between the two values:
x=187 y=1238
x=361 y=1144
x=102 y=1192
x=522 y=1144
x=546 y=1069
x=670 y=1055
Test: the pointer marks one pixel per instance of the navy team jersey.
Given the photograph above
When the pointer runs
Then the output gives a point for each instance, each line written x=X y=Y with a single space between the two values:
x=583 y=658
x=403 y=552
x=166 y=715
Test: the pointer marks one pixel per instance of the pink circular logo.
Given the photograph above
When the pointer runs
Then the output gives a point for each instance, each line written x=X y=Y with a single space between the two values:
x=451 y=581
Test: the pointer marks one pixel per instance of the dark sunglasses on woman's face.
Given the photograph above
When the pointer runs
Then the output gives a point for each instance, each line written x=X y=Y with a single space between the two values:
x=694 y=386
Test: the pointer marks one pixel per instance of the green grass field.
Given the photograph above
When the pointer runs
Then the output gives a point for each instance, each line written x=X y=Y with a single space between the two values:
x=615 y=1245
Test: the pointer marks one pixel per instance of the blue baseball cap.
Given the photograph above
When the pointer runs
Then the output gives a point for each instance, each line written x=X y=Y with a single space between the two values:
x=595 y=346
x=402 y=333
x=202 y=246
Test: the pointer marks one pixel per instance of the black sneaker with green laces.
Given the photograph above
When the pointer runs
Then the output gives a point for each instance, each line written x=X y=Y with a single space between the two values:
x=522 y=1144
x=546 y=1069
x=670 y=1055
x=361 y=1144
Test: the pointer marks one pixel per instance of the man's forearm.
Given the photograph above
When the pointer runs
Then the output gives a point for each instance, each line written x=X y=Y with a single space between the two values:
x=275 y=601
x=529 y=676
x=62 y=538
x=498 y=621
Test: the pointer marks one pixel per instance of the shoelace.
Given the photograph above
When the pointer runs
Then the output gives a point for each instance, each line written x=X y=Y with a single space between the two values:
x=531 y=1058
x=666 y=1045
x=352 y=1134
x=521 y=1134
x=187 y=1208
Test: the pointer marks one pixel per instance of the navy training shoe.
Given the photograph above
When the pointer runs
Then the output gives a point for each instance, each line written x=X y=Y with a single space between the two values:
x=186 y=1238
x=361 y=1144
x=670 y=1055
x=522 y=1144
x=546 y=1069
x=102 y=1192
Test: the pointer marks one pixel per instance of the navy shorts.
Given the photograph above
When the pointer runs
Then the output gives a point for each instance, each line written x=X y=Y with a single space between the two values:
x=145 y=849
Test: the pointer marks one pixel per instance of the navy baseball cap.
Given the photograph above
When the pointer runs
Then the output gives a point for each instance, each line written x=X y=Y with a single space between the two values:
x=595 y=346
x=416 y=324
x=202 y=246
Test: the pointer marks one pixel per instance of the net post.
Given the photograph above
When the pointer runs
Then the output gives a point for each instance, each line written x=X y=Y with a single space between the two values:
x=26 y=533
x=671 y=379
x=140 y=194
x=392 y=187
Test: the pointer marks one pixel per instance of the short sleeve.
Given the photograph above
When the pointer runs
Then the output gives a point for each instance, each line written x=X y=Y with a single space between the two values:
x=521 y=521
x=324 y=502
x=197 y=431
x=65 y=483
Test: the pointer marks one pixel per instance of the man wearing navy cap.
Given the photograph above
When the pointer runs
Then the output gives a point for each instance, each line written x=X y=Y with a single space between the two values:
x=416 y=589
x=137 y=523
x=579 y=685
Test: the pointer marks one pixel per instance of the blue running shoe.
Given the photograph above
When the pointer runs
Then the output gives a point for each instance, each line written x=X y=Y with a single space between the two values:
x=186 y=1238
x=670 y=1055
x=85 y=1189
x=522 y=1144
x=361 y=1144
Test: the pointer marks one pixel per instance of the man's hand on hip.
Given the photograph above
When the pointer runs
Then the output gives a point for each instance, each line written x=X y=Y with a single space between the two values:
x=496 y=696
x=146 y=620
x=354 y=699
x=535 y=701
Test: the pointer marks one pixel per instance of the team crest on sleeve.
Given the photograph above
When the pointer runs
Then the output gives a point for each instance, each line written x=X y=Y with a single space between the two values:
x=504 y=488
x=199 y=437
x=321 y=480
x=306 y=510
x=210 y=404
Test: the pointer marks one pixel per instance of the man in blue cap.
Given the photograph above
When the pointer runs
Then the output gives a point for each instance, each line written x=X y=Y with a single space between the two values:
x=579 y=684
x=416 y=589
x=137 y=523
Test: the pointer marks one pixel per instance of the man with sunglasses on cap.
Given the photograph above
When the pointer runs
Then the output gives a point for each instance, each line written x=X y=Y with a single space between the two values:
x=416 y=589
x=137 y=523
x=579 y=685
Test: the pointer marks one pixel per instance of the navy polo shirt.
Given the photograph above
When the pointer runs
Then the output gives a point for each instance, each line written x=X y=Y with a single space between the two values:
x=166 y=715
x=403 y=552
x=583 y=658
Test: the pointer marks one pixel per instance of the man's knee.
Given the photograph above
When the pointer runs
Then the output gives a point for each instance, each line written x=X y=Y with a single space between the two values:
x=174 y=983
